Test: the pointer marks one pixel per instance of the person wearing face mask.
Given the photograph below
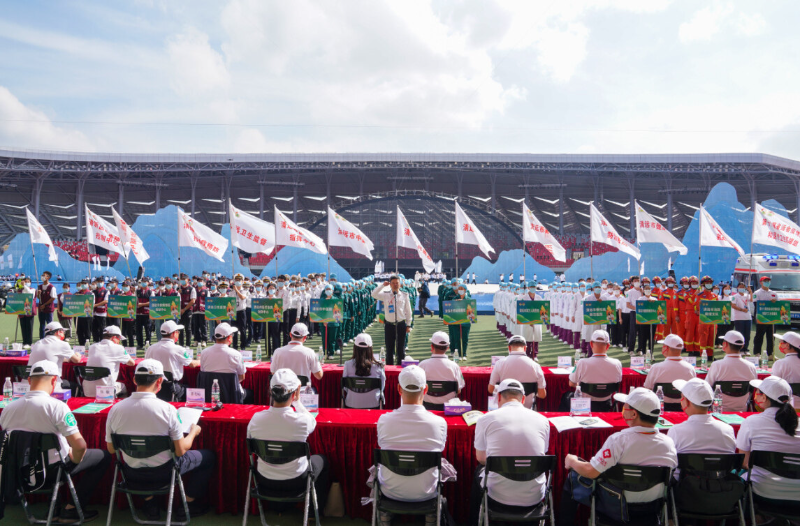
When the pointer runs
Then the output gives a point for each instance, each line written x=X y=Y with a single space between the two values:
x=258 y=327
x=616 y=331
x=47 y=299
x=188 y=298
x=683 y=310
x=633 y=296
x=701 y=433
x=672 y=368
x=398 y=314
x=274 y=327
x=657 y=292
x=128 y=323
x=762 y=329
x=740 y=313
x=459 y=334
x=64 y=320
x=113 y=290
x=670 y=295
x=143 y=323
x=100 y=314
x=199 y=325
x=593 y=293
x=725 y=295
x=241 y=294
x=84 y=323
x=691 y=337
x=54 y=348
x=284 y=294
x=643 y=331
x=108 y=353
x=706 y=332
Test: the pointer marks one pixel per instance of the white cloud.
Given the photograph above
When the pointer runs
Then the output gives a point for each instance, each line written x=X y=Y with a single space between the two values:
x=720 y=16
x=196 y=67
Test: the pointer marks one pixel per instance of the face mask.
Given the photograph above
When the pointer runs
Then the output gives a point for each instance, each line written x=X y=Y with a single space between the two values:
x=636 y=285
x=271 y=291
x=125 y=289
x=646 y=292
x=584 y=288
x=168 y=287
x=617 y=293
x=695 y=286
x=727 y=292
x=213 y=289
x=259 y=288
x=223 y=291
x=328 y=292
x=671 y=286
x=44 y=278
x=685 y=285
x=281 y=284
x=302 y=288
x=742 y=290
x=112 y=286
x=709 y=286
x=94 y=286
x=462 y=291
x=604 y=286
x=766 y=283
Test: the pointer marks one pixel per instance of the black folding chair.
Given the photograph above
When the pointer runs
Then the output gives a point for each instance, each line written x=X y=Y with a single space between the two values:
x=521 y=469
x=359 y=384
x=737 y=389
x=143 y=447
x=669 y=392
x=795 y=389
x=531 y=388
x=276 y=452
x=628 y=477
x=439 y=388
x=167 y=391
x=601 y=391
x=707 y=468
x=785 y=465
x=20 y=372
x=406 y=464
x=85 y=373
x=229 y=390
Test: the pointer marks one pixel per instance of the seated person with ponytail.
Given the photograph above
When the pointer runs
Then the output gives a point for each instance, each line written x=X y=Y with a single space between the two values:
x=363 y=364
x=773 y=430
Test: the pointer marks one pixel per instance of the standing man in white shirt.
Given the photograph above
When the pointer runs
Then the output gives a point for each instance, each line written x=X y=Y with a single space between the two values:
x=55 y=349
x=296 y=356
x=173 y=358
x=520 y=366
x=701 y=433
x=221 y=358
x=730 y=369
x=599 y=369
x=440 y=368
x=241 y=294
x=397 y=318
x=788 y=367
x=633 y=296
x=764 y=329
x=740 y=313
x=110 y=354
x=672 y=368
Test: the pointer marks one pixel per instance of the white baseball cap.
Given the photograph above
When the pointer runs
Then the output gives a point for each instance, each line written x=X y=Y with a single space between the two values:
x=299 y=330
x=517 y=339
x=774 y=387
x=150 y=366
x=440 y=338
x=509 y=383
x=44 y=368
x=673 y=341
x=412 y=379
x=792 y=338
x=53 y=326
x=169 y=326
x=224 y=330
x=600 y=336
x=643 y=400
x=697 y=391
x=114 y=331
x=363 y=340
x=734 y=337
x=285 y=378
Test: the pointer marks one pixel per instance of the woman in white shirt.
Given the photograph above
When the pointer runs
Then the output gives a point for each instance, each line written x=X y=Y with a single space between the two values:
x=363 y=364
x=740 y=313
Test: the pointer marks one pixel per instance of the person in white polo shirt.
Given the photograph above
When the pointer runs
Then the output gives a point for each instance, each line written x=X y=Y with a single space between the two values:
x=39 y=412
x=773 y=430
x=640 y=445
x=730 y=369
x=364 y=365
x=287 y=420
x=110 y=354
x=520 y=366
x=296 y=356
x=672 y=368
x=511 y=430
x=701 y=433
x=53 y=347
x=221 y=358
x=174 y=358
x=599 y=369
x=143 y=414
x=788 y=367
x=411 y=427
x=440 y=368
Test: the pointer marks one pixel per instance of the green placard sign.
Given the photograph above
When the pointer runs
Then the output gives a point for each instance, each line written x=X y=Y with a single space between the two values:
x=78 y=305
x=267 y=309
x=326 y=311
x=122 y=306
x=221 y=309
x=460 y=312
x=651 y=312
x=773 y=312
x=599 y=312
x=165 y=307
x=19 y=303
x=533 y=312
x=715 y=312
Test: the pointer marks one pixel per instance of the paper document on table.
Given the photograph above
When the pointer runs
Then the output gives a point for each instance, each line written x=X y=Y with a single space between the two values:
x=561 y=370
x=188 y=416
x=565 y=423
x=730 y=419
x=471 y=417
x=248 y=365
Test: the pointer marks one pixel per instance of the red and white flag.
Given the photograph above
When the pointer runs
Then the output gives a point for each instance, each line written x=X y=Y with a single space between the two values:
x=290 y=235
x=38 y=235
x=130 y=241
x=468 y=233
x=604 y=232
x=771 y=228
x=343 y=233
x=101 y=233
x=711 y=235
x=534 y=231
x=648 y=230
x=250 y=233
x=192 y=233
x=408 y=239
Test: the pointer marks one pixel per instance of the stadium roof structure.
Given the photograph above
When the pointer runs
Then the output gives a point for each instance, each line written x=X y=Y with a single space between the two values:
x=557 y=188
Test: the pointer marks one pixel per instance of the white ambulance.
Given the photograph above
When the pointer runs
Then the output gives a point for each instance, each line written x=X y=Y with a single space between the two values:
x=784 y=274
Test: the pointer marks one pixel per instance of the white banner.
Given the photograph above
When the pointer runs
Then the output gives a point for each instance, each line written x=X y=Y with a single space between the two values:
x=250 y=233
x=535 y=232
x=130 y=241
x=38 y=235
x=648 y=230
x=711 y=235
x=604 y=232
x=343 y=233
x=192 y=233
x=408 y=239
x=290 y=235
x=468 y=233
x=771 y=228
x=101 y=233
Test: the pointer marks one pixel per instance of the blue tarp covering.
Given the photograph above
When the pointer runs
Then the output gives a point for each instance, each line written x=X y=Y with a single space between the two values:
x=293 y=260
x=508 y=262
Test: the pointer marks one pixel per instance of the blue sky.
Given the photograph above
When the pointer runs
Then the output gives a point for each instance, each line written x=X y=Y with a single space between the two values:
x=591 y=76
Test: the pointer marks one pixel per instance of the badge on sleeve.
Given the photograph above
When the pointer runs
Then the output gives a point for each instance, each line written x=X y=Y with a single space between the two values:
x=69 y=419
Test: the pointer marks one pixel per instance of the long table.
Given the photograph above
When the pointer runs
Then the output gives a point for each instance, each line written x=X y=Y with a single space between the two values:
x=347 y=437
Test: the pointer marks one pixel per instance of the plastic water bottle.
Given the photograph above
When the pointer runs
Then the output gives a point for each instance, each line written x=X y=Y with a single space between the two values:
x=717 y=404
x=578 y=394
x=5 y=344
x=577 y=356
x=258 y=354
x=703 y=359
x=764 y=360
x=648 y=358
x=8 y=389
x=199 y=351
x=660 y=395
x=215 y=398
x=321 y=354
x=382 y=356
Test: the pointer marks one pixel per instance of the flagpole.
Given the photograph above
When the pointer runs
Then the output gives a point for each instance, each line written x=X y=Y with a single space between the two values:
x=752 y=233
x=524 y=245
x=179 y=243
x=230 y=227
x=700 y=245
x=591 y=242
x=456 y=241
x=329 y=242
x=35 y=269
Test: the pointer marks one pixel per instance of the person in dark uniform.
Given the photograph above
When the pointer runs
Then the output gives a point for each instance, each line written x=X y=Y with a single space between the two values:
x=100 y=312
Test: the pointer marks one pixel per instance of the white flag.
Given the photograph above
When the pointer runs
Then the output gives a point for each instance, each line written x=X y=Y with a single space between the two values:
x=468 y=233
x=669 y=263
x=39 y=235
x=711 y=235
x=192 y=233
x=101 y=233
x=130 y=241
x=629 y=264
x=535 y=232
x=408 y=239
x=290 y=235
x=604 y=232
x=648 y=230
x=250 y=233
x=771 y=228
x=641 y=269
x=343 y=233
